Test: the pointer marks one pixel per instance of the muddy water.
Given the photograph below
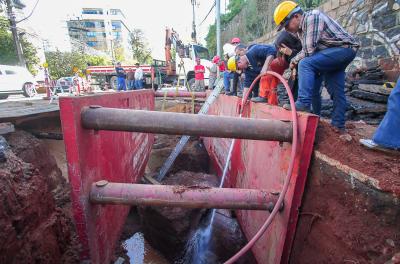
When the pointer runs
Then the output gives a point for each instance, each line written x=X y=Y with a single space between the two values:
x=139 y=251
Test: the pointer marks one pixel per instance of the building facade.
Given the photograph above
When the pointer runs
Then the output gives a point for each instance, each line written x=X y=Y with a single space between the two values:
x=103 y=29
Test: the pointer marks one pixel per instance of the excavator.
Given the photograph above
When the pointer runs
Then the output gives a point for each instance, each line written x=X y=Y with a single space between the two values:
x=180 y=59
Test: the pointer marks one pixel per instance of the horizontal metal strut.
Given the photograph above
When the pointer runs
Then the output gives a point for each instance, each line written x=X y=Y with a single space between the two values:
x=102 y=118
x=181 y=94
x=104 y=192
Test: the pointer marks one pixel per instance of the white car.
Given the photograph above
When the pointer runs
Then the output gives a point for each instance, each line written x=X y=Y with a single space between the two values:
x=16 y=80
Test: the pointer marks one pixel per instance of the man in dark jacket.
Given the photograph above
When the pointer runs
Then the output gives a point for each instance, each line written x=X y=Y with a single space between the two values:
x=120 y=77
x=255 y=61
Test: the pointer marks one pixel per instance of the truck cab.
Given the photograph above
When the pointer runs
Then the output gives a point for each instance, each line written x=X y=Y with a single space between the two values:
x=188 y=56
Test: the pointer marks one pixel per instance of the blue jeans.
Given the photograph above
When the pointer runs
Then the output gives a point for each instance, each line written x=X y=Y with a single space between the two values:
x=138 y=84
x=121 y=84
x=131 y=84
x=227 y=80
x=328 y=65
x=388 y=132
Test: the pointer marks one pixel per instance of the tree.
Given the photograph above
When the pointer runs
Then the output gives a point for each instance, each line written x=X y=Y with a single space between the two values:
x=62 y=63
x=233 y=9
x=140 y=51
x=118 y=52
x=8 y=54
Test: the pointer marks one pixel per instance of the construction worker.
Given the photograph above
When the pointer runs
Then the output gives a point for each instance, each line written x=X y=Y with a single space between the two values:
x=120 y=77
x=288 y=45
x=327 y=50
x=130 y=79
x=138 y=77
x=231 y=77
x=255 y=61
x=199 y=76
x=387 y=135
x=214 y=69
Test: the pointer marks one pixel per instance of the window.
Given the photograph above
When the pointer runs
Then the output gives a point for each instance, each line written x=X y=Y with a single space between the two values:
x=115 y=25
x=92 y=43
x=95 y=34
x=117 y=35
x=114 y=11
x=10 y=72
x=92 y=11
x=94 y=24
x=89 y=24
x=201 y=52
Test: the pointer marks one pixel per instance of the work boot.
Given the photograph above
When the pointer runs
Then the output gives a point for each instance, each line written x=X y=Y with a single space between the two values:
x=299 y=107
x=259 y=99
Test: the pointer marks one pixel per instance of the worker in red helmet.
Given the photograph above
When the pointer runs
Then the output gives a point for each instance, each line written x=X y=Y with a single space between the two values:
x=213 y=72
x=235 y=41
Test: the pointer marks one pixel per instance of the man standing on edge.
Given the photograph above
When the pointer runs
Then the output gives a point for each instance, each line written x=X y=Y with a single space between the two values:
x=120 y=77
x=327 y=50
x=199 y=76
x=138 y=77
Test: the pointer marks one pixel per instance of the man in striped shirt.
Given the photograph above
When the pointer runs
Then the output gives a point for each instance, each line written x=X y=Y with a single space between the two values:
x=327 y=50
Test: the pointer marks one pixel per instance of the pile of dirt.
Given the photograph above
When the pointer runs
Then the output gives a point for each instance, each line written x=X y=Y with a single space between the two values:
x=383 y=167
x=35 y=210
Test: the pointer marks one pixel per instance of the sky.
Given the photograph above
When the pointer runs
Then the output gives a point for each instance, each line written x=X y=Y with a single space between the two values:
x=152 y=16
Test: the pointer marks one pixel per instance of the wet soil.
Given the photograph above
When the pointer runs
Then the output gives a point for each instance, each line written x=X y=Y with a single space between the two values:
x=35 y=216
x=341 y=219
x=381 y=166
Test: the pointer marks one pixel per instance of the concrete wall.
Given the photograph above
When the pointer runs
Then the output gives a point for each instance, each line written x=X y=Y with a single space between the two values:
x=376 y=24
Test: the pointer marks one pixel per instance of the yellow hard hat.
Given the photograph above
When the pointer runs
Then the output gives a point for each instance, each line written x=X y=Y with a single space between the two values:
x=232 y=64
x=283 y=12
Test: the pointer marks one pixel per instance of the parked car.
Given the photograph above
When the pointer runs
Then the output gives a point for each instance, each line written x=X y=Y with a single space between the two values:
x=64 y=84
x=16 y=80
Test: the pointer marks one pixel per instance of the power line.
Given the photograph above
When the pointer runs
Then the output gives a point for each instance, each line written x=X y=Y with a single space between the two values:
x=33 y=9
x=212 y=7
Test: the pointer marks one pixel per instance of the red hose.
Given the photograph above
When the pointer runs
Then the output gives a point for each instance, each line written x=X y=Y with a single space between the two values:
x=267 y=222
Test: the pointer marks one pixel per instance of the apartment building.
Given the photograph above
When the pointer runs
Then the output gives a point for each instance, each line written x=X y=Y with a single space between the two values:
x=100 y=28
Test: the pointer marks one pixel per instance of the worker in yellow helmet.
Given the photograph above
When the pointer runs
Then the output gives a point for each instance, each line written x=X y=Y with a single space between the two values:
x=327 y=49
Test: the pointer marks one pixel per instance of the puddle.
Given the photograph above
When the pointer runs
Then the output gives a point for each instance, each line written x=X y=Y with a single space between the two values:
x=140 y=252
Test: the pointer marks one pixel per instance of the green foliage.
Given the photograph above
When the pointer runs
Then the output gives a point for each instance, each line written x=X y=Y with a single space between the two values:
x=62 y=63
x=233 y=9
x=119 y=52
x=140 y=51
x=8 y=54
x=211 y=39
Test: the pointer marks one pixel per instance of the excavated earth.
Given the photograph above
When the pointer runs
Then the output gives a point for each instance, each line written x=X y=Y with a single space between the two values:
x=349 y=215
x=36 y=224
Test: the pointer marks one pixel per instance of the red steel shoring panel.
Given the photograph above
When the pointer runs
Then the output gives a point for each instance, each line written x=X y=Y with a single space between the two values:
x=261 y=164
x=102 y=155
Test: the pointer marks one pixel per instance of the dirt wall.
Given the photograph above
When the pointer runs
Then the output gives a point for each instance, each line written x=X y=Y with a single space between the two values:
x=35 y=211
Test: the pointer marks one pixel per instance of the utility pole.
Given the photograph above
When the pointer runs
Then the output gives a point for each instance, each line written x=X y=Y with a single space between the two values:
x=218 y=22
x=13 y=25
x=194 y=23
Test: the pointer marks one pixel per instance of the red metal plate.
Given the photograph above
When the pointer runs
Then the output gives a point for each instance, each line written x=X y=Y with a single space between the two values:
x=102 y=155
x=263 y=165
